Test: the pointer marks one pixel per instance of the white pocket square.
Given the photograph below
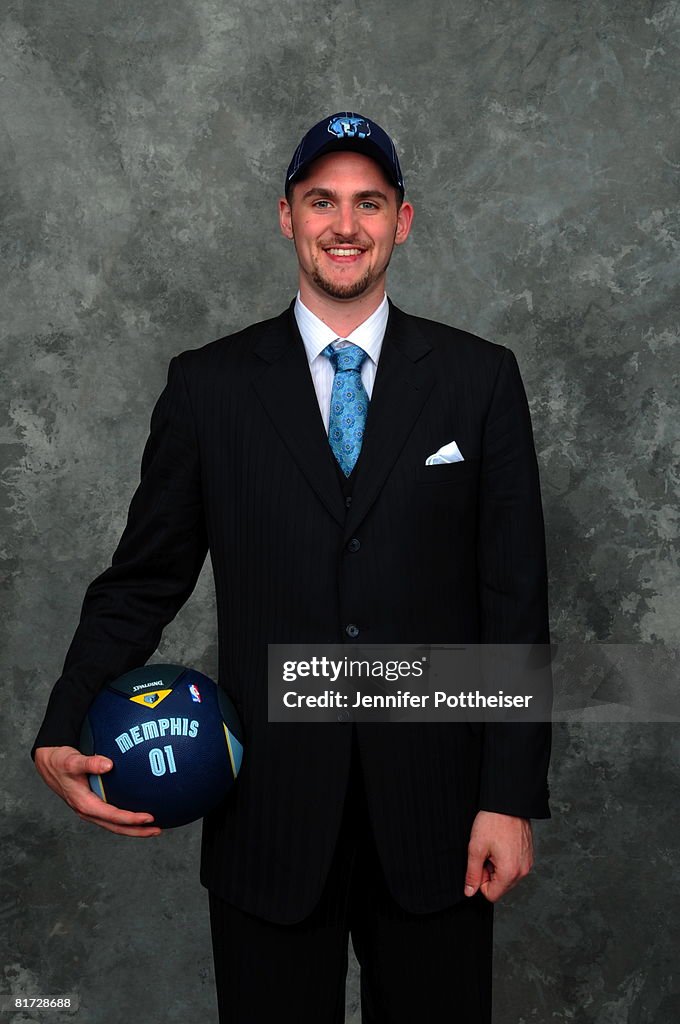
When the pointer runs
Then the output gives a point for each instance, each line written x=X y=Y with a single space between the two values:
x=447 y=453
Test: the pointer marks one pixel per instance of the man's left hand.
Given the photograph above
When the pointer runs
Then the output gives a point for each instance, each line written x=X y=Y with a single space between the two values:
x=500 y=853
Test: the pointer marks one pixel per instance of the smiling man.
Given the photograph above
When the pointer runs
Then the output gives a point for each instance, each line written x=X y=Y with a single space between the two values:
x=345 y=221
x=299 y=453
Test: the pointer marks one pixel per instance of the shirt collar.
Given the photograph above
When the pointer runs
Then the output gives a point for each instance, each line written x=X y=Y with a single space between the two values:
x=316 y=334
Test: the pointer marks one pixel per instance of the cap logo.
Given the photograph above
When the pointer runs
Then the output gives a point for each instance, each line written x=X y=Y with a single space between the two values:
x=349 y=128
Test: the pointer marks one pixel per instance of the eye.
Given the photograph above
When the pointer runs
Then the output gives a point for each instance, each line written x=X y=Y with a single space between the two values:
x=321 y=204
x=368 y=205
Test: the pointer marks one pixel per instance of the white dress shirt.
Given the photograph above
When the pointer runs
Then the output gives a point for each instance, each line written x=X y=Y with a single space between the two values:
x=316 y=335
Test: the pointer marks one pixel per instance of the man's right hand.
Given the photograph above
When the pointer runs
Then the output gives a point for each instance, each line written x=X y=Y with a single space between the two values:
x=66 y=770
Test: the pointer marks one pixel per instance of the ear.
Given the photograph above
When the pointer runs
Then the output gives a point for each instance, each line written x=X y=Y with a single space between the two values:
x=404 y=221
x=285 y=218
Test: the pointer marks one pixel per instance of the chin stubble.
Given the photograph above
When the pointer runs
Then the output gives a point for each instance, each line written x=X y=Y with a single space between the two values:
x=349 y=291
x=336 y=291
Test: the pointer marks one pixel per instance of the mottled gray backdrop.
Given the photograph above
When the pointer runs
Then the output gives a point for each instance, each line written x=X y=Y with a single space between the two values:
x=143 y=147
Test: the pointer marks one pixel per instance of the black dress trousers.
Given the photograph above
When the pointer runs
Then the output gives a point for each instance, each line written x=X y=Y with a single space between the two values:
x=430 y=967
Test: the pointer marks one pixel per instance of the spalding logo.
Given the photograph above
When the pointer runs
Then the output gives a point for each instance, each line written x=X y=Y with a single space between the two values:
x=349 y=128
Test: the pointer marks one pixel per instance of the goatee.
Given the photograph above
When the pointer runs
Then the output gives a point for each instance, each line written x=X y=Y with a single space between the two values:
x=342 y=291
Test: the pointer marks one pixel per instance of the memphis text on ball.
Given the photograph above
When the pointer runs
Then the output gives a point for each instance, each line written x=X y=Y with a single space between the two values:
x=155 y=728
x=405 y=699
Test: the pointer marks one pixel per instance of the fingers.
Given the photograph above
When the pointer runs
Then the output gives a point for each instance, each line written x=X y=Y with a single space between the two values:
x=92 y=805
x=122 y=830
x=79 y=764
x=500 y=853
x=63 y=766
x=66 y=771
x=502 y=879
x=70 y=763
x=474 y=874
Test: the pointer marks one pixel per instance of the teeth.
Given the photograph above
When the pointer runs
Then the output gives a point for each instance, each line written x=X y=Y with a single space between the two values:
x=344 y=252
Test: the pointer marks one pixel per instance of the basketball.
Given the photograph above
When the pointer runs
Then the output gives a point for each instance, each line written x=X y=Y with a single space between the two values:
x=174 y=739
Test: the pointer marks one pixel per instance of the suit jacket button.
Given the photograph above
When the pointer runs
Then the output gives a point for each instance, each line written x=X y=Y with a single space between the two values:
x=352 y=630
x=354 y=544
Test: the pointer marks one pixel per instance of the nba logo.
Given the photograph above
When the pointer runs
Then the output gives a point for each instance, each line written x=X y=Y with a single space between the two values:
x=195 y=695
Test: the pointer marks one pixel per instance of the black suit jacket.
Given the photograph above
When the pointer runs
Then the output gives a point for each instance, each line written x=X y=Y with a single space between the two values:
x=238 y=464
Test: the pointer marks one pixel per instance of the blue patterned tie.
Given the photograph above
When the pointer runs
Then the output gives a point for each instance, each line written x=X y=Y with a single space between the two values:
x=349 y=405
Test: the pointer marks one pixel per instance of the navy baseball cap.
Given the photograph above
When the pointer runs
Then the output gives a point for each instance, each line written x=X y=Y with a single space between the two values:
x=346 y=131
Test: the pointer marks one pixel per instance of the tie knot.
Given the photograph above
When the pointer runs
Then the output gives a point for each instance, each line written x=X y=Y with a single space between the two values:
x=351 y=357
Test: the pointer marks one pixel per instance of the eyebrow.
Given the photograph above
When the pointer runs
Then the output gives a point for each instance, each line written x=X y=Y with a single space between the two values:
x=328 y=193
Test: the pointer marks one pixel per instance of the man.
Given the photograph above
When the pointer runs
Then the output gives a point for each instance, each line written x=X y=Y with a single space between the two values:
x=295 y=451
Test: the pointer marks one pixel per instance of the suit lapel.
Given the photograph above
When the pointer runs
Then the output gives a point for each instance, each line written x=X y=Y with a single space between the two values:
x=402 y=384
x=286 y=391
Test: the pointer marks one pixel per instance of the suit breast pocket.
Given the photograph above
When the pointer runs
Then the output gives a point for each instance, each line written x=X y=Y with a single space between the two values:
x=449 y=472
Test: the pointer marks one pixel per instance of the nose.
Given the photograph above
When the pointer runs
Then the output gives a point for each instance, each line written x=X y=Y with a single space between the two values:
x=345 y=220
